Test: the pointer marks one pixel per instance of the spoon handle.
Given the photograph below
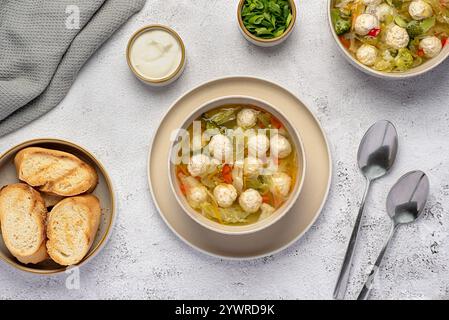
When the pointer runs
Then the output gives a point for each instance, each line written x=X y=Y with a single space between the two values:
x=366 y=290
x=342 y=282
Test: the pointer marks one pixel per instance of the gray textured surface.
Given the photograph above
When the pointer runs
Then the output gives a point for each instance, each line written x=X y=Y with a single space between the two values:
x=40 y=54
x=114 y=115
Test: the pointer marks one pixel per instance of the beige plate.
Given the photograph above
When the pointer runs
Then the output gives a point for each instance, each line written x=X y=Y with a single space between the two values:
x=285 y=231
x=104 y=192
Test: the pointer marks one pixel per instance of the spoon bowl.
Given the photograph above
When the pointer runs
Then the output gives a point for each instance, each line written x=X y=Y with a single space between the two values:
x=407 y=198
x=378 y=149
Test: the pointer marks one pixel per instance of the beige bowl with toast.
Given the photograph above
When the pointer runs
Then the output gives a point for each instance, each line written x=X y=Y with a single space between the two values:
x=67 y=194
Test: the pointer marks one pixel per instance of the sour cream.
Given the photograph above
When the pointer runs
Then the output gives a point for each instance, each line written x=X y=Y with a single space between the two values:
x=156 y=54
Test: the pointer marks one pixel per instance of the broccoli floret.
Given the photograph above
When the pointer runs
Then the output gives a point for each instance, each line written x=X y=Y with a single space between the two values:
x=342 y=26
x=404 y=59
x=414 y=29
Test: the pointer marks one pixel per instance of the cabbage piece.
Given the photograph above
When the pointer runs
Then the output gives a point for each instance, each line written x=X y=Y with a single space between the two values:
x=210 y=181
x=221 y=117
x=394 y=3
x=404 y=59
x=428 y=24
x=237 y=178
x=210 y=210
x=233 y=214
x=261 y=184
x=401 y=21
x=383 y=65
x=264 y=118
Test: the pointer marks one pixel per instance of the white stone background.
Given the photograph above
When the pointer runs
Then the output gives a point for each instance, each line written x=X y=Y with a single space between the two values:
x=113 y=115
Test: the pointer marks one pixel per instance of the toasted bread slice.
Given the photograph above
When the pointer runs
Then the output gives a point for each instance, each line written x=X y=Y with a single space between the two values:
x=55 y=172
x=71 y=228
x=22 y=220
x=39 y=256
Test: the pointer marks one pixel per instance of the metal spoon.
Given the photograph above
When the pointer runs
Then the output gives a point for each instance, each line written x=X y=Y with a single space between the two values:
x=405 y=203
x=376 y=155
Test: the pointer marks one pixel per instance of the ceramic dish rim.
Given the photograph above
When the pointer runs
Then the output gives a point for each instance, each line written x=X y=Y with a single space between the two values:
x=144 y=29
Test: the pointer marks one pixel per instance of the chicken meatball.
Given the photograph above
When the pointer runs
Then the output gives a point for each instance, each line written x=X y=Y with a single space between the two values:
x=258 y=145
x=397 y=37
x=196 y=196
x=280 y=147
x=431 y=46
x=225 y=194
x=367 y=54
x=252 y=166
x=365 y=23
x=281 y=183
x=199 y=165
x=247 y=118
x=250 y=200
x=220 y=147
x=420 y=10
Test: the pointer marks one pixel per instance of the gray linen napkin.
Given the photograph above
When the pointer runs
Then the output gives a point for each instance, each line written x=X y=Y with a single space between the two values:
x=42 y=49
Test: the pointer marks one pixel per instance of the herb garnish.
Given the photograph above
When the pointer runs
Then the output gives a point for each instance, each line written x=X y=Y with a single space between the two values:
x=267 y=19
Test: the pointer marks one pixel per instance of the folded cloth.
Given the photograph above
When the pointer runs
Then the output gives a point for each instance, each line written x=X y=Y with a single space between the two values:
x=43 y=45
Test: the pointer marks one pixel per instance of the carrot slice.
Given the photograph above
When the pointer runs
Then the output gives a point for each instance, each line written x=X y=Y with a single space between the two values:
x=183 y=189
x=275 y=123
x=226 y=173
x=266 y=198
x=345 y=42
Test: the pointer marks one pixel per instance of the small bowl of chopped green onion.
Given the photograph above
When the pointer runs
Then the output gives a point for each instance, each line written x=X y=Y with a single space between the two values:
x=266 y=23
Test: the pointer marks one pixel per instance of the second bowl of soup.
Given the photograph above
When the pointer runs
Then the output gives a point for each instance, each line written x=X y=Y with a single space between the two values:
x=391 y=38
x=236 y=165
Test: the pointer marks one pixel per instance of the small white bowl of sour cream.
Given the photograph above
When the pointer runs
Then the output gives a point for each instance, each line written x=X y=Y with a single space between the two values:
x=156 y=55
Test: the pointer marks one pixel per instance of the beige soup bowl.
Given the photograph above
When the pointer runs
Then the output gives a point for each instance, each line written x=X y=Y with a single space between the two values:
x=280 y=212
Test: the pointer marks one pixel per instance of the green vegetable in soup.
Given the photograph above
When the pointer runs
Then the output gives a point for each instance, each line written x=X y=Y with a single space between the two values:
x=221 y=117
x=261 y=184
x=428 y=24
x=414 y=29
x=395 y=3
x=266 y=19
x=389 y=59
x=417 y=28
x=341 y=25
x=199 y=191
x=210 y=210
x=401 y=21
x=404 y=59
x=264 y=119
